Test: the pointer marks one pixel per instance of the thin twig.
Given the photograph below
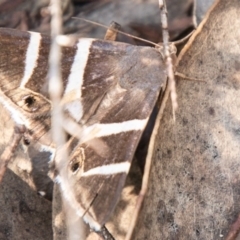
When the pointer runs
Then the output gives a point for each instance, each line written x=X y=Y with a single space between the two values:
x=55 y=82
x=76 y=230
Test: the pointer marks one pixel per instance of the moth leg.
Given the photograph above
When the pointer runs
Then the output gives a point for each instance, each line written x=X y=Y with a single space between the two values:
x=184 y=77
x=7 y=154
x=111 y=34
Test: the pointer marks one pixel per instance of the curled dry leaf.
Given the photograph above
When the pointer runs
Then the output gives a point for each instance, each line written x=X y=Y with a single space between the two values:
x=195 y=182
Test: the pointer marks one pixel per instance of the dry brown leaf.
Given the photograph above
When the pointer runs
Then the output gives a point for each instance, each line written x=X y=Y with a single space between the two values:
x=194 y=190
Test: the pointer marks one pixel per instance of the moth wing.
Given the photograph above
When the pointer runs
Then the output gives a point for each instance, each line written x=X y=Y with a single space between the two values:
x=92 y=181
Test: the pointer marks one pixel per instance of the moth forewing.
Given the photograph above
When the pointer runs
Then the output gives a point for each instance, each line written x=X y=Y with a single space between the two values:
x=120 y=116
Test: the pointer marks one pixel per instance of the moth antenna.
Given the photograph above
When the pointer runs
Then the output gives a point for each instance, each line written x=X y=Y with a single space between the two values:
x=183 y=39
x=168 y=59
x=111 y=35
x=123 y=33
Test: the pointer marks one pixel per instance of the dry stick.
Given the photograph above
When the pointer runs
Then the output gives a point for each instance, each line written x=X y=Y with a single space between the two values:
x=55 y=92
x=55 y=83
x=6 y=156
x=112 y=31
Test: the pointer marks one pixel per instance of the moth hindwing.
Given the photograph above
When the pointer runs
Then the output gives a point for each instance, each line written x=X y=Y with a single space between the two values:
x=108 y=86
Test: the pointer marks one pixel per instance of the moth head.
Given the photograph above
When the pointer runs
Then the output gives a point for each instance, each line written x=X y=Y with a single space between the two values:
x=172 y=51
